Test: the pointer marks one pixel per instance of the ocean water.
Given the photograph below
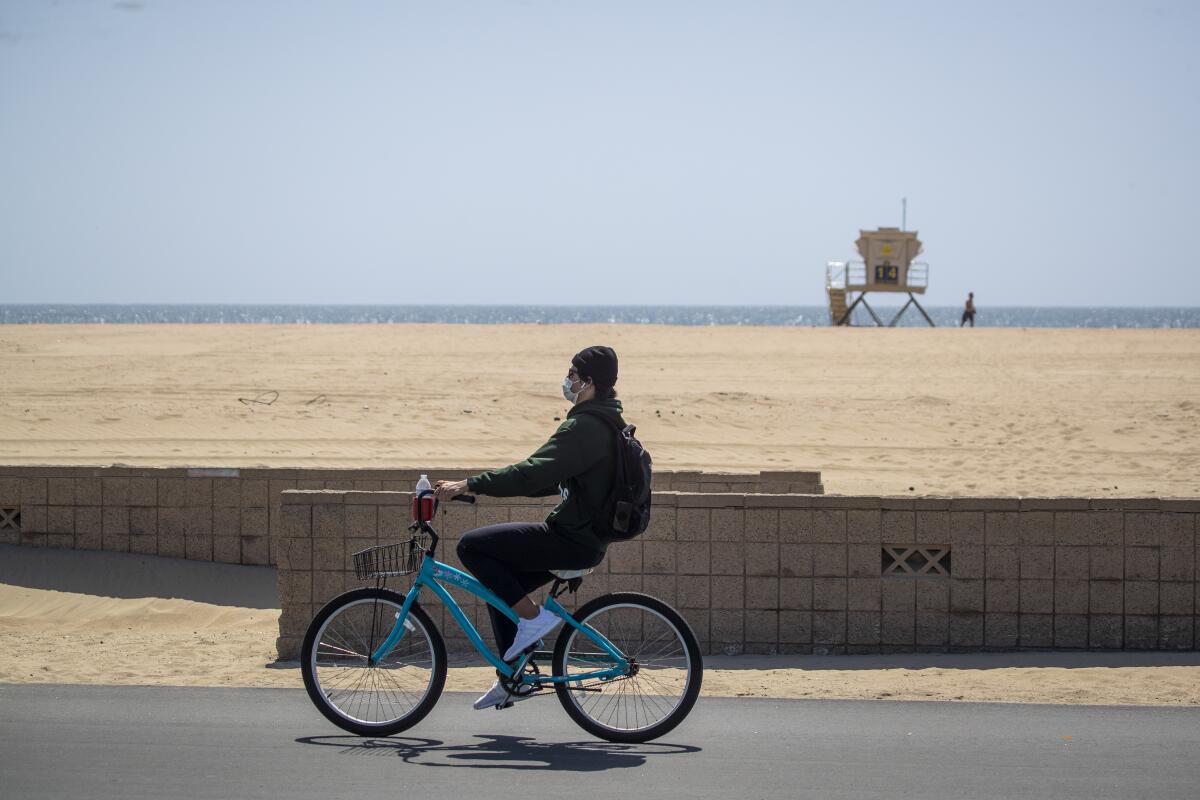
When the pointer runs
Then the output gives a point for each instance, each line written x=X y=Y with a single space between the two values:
x=804 y=316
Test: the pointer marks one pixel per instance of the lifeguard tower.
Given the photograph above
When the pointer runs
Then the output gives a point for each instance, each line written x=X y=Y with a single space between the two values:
x=887 y=266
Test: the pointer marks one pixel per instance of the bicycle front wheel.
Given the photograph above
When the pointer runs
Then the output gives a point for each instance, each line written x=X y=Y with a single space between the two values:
x=665 y=672
x=372 y=699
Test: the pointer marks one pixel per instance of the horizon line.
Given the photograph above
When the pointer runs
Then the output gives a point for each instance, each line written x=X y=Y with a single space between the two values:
x=276 y=304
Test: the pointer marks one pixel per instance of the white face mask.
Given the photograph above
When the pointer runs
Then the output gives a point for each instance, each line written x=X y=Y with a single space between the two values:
x=571 y=396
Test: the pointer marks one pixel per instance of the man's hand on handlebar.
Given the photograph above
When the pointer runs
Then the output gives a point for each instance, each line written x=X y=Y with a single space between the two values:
x=448 y=490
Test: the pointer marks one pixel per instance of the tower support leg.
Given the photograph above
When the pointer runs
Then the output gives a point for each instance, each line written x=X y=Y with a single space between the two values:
x=871 y=311
x=900 y=313
x=923 y=314
x=844 y=319
x=912 y=301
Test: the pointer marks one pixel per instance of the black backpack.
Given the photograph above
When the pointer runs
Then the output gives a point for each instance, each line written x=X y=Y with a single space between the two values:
x=630 y=499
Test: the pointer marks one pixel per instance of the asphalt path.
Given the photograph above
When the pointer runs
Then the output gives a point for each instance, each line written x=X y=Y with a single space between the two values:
x=161 y=742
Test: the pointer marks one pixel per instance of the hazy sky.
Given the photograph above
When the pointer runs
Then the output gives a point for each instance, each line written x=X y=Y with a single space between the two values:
x=594 y=152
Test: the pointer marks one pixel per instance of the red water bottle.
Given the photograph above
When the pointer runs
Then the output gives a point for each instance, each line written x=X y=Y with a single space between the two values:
x=422 y=507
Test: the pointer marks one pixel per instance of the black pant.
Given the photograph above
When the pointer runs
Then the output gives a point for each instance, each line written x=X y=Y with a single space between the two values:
x=514 y=558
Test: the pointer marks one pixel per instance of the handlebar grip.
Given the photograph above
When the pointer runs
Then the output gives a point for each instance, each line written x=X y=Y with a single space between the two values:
x=464 y=498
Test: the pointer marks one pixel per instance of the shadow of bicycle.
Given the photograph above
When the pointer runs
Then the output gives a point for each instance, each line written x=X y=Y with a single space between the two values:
x=504 y=752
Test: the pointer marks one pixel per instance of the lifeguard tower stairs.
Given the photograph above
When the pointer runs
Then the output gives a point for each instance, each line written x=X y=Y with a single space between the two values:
x=887 y=266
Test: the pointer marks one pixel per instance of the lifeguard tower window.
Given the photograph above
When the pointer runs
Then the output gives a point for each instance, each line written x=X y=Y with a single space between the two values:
x=888 y=265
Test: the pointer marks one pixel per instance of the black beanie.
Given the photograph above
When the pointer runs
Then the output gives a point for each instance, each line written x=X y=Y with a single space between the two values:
x=597 y=364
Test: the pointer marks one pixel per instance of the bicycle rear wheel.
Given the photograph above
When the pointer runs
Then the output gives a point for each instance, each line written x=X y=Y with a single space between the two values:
x=372 y=699
x=665 y=675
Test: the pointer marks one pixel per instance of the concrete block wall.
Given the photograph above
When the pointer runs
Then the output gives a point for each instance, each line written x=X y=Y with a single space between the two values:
x=753 y=572
x=757 y=573
x=208 y=515
x=222 y=514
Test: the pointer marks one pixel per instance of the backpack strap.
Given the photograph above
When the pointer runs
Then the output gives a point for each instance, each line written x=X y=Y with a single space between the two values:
x=605 y=418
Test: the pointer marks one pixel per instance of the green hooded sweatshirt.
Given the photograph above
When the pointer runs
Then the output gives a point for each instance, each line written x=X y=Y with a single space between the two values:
x=577 y=462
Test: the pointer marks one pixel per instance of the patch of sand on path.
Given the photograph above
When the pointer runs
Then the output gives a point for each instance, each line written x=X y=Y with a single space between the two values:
x=49 y=636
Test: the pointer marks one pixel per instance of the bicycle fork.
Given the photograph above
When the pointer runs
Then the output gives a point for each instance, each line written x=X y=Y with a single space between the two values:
x=401 y=626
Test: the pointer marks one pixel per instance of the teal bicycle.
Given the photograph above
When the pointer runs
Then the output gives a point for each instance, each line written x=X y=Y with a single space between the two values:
x=625 y=666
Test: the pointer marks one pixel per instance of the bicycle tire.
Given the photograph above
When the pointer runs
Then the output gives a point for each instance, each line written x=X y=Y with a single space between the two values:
x=601 y=614
x=374 y=680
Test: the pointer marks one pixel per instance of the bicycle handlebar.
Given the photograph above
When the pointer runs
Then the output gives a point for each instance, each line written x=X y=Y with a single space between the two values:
x=461 y=498
x=423 y=524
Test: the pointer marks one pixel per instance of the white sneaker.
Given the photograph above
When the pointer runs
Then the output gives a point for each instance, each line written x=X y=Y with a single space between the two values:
x=530 y=630
x=499 y=697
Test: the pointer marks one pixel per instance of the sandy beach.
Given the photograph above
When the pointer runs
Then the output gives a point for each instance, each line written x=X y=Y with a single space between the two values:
x=903 y=411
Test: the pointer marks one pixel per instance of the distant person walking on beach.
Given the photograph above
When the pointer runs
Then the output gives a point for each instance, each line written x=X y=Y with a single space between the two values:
x=968 y=311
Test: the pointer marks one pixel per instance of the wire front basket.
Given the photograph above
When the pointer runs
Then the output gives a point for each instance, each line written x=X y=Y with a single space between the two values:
x=401 y=558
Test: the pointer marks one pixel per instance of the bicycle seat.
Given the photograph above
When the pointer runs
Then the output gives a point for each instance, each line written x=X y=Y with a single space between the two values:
x=570 y=574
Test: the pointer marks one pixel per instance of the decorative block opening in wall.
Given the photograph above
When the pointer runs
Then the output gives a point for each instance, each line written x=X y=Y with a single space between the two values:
x=10 y=519
x=919 y=561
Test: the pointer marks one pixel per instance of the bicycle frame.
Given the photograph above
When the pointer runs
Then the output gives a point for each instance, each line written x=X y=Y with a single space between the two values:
x=433 y=572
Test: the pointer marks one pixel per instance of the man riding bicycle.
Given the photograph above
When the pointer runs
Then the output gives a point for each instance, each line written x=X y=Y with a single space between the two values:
x=577 y=462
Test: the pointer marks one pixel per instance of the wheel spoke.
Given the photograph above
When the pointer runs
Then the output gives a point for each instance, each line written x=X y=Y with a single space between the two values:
x=663 y=682
x=358 y=692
